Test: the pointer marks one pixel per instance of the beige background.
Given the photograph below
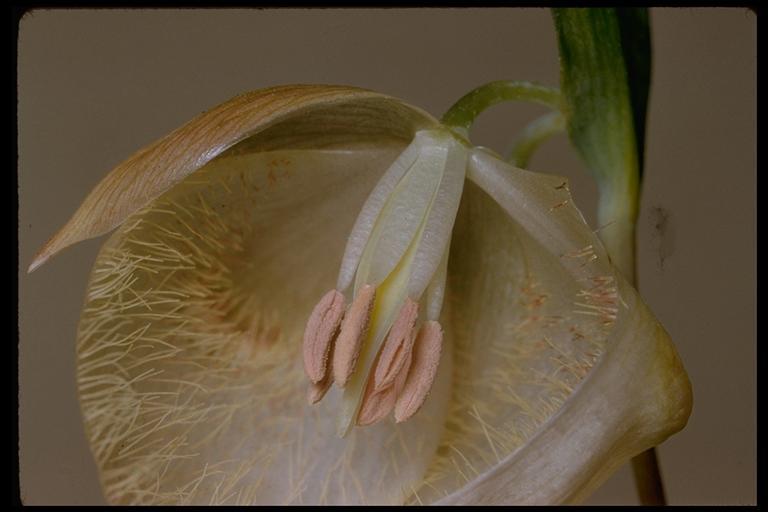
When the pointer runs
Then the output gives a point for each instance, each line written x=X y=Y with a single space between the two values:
x=94 y=86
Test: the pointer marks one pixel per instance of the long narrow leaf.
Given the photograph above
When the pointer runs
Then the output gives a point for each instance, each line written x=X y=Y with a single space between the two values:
x=605 y=62
x=636 y=47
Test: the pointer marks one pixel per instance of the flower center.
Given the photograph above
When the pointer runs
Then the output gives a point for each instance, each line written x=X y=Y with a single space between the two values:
x=384 y=350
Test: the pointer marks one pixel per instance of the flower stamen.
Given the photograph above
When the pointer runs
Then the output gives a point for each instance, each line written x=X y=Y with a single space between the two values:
x=354 y=329
x=394 y=266
x=423 y=369
x=317 y=390
x=397 y=346
x=377 y=404
x=322 y=328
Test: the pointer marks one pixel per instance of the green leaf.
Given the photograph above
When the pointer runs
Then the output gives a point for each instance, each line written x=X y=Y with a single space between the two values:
x=636 y=48
x=605 y=61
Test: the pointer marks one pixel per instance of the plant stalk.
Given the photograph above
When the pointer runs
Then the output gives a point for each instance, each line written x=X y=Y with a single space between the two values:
x=533 y=136
x=645 y=468
x=463 y=113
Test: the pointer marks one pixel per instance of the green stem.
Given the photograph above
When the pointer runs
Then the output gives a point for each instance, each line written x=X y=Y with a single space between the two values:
x=463 y=113
x=534 y=135
x=648 y=478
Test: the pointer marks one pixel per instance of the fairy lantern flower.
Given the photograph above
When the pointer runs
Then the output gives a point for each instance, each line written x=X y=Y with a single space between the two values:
x=320 y=294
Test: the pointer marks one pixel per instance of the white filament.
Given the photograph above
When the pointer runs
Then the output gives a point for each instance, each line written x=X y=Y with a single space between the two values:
x=358 y=237
x=435 y=240
x=403 y=216
x=436 y=289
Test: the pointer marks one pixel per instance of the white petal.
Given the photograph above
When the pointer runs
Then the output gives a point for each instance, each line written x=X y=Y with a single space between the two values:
x=189 y=350
x=541 y=204
x=358 y=237
x=436 y=289
x=562 y=372
x=635 y=397
x=420 y=209
x=293 y=116
x=436 y=233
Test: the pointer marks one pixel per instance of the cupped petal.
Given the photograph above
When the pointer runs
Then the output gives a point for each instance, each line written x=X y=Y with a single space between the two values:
x=295 y=116
x=189 y=348
x=561 y=372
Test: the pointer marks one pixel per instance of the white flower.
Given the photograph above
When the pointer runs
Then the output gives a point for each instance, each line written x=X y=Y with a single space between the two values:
x=544 y=369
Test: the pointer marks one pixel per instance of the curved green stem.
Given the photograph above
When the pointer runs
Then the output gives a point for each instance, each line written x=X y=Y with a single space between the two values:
x=463 y=113
x=534 y=135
